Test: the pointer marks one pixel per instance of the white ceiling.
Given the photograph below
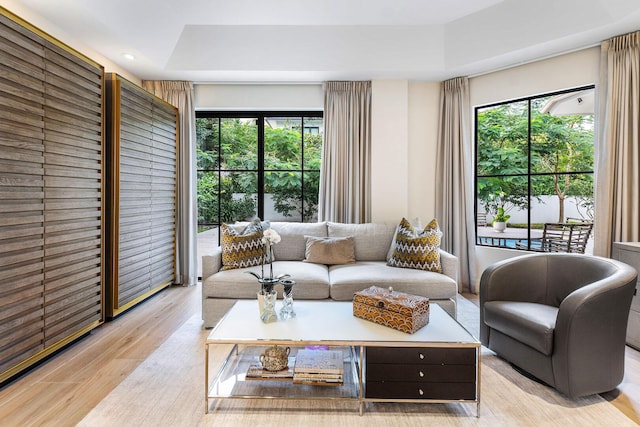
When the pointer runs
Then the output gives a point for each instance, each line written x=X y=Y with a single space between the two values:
x=317 y=40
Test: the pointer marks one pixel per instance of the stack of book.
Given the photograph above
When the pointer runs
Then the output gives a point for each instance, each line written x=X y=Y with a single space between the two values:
x=257 y=372
x=318 y=367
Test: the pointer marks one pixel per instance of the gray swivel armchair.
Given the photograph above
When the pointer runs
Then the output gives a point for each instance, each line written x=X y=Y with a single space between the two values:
x=560 y=317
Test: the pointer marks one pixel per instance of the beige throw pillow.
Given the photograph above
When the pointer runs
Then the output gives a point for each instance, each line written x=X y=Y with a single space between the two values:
x=329 y=250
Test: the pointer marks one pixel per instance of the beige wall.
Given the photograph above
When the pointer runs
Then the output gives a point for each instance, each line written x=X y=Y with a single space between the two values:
x=259 y=97
x=404 y=132
x=37 y=21
x=389 y=150
x=404 y=118
x=424 y=110
x=561 y=72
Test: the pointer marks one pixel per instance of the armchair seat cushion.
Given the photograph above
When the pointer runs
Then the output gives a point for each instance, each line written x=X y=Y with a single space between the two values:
x=530 y=323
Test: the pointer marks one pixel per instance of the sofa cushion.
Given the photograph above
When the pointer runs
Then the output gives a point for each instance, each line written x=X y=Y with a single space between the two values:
x=312 y=281
x=530 y=323
x=348 y=279
x=418 y=249
x=292 y=245
x=241 y=249
x=372 y=240
x=329 y=250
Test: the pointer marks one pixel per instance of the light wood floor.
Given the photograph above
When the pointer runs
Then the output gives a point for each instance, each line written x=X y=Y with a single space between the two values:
x=61 y=391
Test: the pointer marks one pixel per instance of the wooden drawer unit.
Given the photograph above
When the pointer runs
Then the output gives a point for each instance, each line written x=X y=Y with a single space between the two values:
x=420 y=373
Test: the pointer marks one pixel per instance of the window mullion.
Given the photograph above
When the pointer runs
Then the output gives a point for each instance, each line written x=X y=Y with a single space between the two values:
x=261 y=171
x=529 y=186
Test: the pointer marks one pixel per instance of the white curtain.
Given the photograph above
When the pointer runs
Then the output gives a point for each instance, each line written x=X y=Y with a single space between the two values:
x=617 y=178
x=180 y=94
x=454 y=175
x=345 y=175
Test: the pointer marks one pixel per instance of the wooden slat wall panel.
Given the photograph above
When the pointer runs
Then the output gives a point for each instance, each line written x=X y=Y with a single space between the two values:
x=73 y=194
x=21 y=195
x=143 y=133
x=51 y=184
x=164 y=183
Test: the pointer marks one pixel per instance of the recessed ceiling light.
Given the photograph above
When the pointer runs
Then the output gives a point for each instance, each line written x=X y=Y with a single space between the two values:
x=128 y=56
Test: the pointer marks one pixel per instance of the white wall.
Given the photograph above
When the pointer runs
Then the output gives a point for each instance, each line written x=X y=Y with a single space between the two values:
x=37 y=21
x=566 y=71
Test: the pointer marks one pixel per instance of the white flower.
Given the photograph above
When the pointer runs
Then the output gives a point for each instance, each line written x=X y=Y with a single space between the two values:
x=270 y=237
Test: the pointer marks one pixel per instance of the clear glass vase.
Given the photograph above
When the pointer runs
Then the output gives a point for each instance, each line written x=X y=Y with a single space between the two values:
x=268 y=313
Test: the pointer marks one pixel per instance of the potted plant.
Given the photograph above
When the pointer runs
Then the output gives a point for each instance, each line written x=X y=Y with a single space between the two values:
x=500 y=220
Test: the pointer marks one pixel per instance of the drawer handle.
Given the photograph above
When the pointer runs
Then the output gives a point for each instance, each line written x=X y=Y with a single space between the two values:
x=421 y=374
x=420 y=392
x=421 y=355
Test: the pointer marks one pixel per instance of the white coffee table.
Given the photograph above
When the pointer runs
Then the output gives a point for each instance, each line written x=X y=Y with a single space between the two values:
x=332 y=324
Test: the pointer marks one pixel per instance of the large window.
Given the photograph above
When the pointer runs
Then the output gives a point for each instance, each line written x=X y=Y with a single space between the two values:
x=257 y=164
x=534 y=165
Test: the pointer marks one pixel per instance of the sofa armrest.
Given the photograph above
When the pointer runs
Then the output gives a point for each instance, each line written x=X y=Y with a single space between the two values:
x=211 y=263
x=450 y=265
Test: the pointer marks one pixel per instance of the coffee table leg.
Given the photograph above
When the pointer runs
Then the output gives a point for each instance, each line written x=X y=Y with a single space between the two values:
x=478 y=385
x=206 y=378
x=361 y=379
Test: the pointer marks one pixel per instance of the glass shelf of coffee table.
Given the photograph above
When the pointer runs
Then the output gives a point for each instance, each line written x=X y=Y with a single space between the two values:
x=232 y=381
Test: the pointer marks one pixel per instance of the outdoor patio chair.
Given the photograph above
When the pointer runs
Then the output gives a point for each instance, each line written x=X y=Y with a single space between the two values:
x=561 y=237
x=481 y=219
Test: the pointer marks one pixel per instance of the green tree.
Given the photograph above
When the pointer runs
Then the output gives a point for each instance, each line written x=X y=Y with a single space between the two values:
x=502 y=156
x=237 y=200
x=283 y=163
x=560 y=146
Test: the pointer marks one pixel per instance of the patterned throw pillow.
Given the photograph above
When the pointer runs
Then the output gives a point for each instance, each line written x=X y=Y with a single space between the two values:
x=241 y=249
x=418 y=249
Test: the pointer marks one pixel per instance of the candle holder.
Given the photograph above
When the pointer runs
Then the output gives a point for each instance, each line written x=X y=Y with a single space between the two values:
x=287 y=312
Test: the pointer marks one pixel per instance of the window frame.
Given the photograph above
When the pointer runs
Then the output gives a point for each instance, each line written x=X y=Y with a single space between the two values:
x=529 y=175
x=260 y=117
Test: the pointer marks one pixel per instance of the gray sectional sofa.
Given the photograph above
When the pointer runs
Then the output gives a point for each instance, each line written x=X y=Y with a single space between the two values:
x=372 y=243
